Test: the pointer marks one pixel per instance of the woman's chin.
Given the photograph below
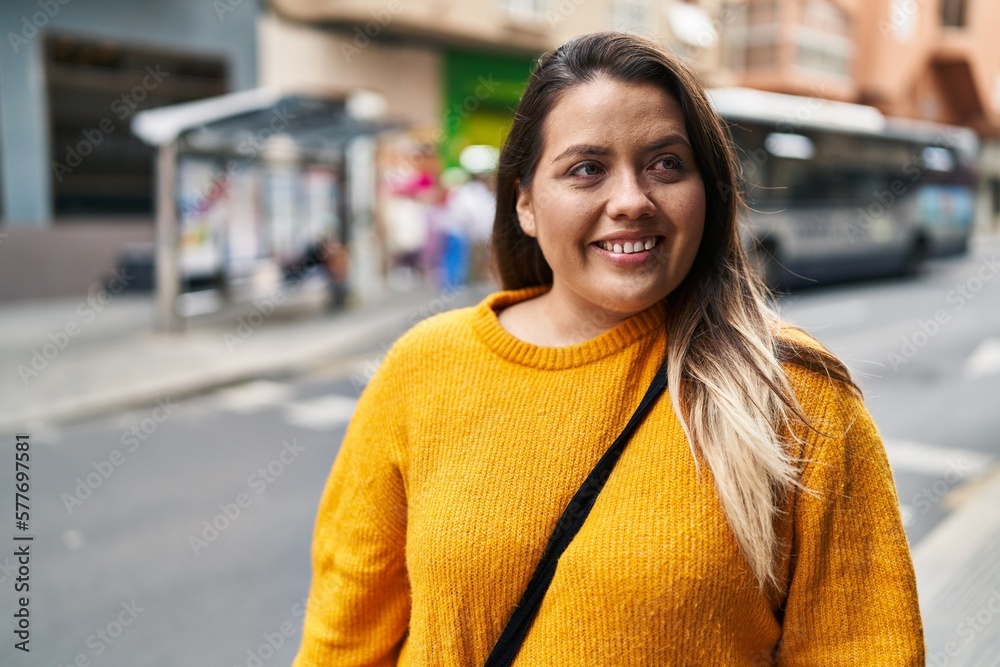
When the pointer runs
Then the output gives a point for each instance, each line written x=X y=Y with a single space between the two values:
x=632 y=299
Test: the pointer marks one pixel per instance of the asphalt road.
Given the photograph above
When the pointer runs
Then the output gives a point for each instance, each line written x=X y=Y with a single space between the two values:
x=927 y=354
x=178 y=535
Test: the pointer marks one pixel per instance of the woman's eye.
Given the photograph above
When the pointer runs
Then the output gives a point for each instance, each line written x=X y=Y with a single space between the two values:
x=587 y=169
x=671 y=163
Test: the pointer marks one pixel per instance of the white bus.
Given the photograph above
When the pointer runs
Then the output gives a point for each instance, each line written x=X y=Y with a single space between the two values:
x=841 y=191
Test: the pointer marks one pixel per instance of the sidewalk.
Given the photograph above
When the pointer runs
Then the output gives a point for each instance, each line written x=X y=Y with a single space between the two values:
x=67 y=359
x=958 y=580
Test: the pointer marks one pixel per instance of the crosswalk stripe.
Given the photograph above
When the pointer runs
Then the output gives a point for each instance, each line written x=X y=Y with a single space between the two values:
x=985 y=360
x=321 y=414
x=254 y=396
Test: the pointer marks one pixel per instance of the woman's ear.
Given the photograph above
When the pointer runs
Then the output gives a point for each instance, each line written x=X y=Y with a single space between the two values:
x=525 y=211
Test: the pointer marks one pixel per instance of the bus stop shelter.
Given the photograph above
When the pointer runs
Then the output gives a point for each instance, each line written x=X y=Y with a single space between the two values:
x=243 y=182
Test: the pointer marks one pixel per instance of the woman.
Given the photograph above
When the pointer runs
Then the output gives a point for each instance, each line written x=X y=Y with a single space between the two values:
x=752 y=518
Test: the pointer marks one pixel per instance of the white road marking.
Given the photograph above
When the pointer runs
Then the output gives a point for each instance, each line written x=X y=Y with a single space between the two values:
x=935 y=460
x=985 y=360
x=255 y=396
x=908 y=513
x=321 y=414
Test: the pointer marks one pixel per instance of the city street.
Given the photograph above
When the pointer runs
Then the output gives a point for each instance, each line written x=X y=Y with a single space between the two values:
x=178 y=534
x=216 y=218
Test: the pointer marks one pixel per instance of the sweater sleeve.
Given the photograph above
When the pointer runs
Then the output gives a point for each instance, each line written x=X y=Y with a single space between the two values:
x=359 y=600
x=852 y=598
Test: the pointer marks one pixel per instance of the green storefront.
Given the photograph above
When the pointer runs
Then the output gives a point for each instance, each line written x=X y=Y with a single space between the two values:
x=481 y=91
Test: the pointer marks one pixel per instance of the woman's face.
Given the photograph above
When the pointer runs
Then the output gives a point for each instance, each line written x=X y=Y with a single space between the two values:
x=617 y=203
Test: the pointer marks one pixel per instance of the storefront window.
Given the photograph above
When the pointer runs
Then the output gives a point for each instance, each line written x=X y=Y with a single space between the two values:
x=99 y=167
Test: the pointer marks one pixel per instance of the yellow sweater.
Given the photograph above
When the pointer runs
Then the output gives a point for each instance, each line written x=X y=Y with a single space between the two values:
x=468 y=444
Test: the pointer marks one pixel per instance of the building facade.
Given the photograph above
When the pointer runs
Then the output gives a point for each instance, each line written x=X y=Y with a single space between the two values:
x=76 y=186
x=456 y=69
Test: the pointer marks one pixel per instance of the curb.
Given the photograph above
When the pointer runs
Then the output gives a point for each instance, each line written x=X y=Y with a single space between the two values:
x=197 y=380
x=193 y=381
x=973 y=524
x=958 y=577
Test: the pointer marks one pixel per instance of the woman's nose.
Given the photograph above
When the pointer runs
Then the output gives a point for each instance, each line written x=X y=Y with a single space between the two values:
x=629 y=200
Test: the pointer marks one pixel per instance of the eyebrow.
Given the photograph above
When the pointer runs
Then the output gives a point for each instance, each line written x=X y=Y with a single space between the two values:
x=586 y=149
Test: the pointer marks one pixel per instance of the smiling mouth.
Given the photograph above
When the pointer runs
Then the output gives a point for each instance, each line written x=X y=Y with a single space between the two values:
x=628 y=247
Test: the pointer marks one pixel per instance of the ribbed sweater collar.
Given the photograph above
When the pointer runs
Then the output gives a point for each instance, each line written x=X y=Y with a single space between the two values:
x=487 y=326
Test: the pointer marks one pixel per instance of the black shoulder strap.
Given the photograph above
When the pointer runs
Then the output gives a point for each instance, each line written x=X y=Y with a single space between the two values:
x=569 y=523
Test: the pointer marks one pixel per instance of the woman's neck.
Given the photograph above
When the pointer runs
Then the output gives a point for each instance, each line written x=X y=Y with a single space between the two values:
x=554 y=320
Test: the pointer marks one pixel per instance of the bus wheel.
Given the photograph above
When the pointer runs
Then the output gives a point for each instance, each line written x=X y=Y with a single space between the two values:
x=763 y=258
x=916 y=257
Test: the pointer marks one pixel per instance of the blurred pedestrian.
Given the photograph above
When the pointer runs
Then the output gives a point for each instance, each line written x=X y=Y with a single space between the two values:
x=747 y=516
x=473 y=207
x=324 y=255
x=406 y=223
x=438 y=225
x=338 y=263
x=456 y=235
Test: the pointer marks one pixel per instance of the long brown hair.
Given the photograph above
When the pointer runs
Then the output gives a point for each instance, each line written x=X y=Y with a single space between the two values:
x=725 y=356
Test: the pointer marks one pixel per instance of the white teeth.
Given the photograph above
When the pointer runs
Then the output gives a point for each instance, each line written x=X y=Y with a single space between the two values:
x=629 y=247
